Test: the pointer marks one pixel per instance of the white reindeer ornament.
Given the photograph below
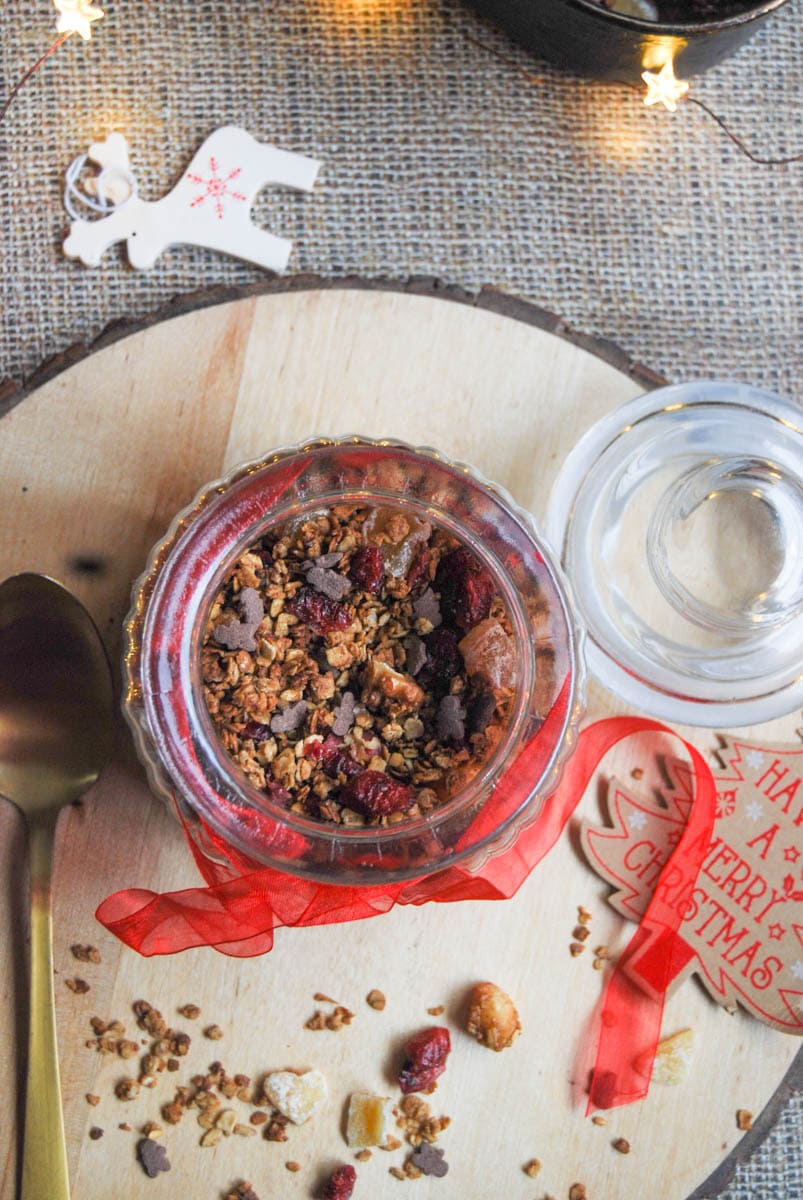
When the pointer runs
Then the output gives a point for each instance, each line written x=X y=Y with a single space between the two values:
x=209 y=206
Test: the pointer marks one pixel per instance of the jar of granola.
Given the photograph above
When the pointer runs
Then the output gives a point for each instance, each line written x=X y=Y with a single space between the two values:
x=353 y=661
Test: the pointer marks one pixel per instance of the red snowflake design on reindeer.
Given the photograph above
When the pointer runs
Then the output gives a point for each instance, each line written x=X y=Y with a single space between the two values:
x=217 y=187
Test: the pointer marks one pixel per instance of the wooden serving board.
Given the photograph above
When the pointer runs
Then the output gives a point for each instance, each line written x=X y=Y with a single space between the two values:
x=93 y=464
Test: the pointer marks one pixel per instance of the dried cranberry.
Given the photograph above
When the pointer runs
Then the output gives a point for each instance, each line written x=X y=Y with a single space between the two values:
x=341 y=1185
x=322 y=614
x=256 y=732
x=367 y=569
x=419 y=570
x=424 y=1059
x=466 y=589
x=333 y=758
x=443 y=658
x=375 y=794
x=276 y=792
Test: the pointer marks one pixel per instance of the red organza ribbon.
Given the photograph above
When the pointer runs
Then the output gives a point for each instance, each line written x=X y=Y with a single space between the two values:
x=240 y=908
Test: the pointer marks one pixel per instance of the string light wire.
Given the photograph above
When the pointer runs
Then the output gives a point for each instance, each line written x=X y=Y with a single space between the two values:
x=705 y=108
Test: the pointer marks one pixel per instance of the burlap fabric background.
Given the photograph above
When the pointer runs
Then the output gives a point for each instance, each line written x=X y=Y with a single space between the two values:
x=643 y=227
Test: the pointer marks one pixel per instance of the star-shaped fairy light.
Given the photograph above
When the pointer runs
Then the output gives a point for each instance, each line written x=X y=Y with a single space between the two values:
x=663 y=87
x=76 y=16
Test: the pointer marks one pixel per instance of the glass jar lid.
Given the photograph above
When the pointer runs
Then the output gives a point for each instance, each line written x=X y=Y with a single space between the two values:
x=679 y=520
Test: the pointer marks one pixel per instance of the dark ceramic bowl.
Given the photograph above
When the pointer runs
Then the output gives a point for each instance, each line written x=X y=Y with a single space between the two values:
x=583 y=37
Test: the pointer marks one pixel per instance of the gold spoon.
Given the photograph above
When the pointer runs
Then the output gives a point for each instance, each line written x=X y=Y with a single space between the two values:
x=55 y=737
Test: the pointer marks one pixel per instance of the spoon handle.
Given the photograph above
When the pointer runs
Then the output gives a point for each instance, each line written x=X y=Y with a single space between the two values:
x=44 y=1161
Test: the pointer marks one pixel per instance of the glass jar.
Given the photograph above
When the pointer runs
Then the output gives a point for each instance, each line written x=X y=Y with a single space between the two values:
x=164 y=703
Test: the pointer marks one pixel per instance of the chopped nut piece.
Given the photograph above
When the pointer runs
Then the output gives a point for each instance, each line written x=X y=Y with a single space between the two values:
x=277 y=1129
x=532 y=1167
x=622 y=1145
x=599 y=1120
x=369 y=1119
x=212 y=1137
x=390 y=1143
x=323 y=999
x=95 y=1133
x=93 y=1100
x=149 y=1018
x=417 y=1121
x=376 y=999
x=492 y=1017
x=364 y=1155
x=603 y=952
x=397 y=1173
x=245 y=1130
x=437 y=1010
x=173 y=1064
x=127 y=1089
x=126 y=1128
x=297 y=1097
x=79 y=986
x=85 y=953
x=598 y=964
x=744 y=1119
x=213 y=1032
x=576 y=948
x=340 y=1017
x=226 y=1120
x=334 y=1020
x=152 y=1130
x=242 y=1191
x=637 y=773
x=584 y=917
x=381 y=680
x=293 y=1166
x=673 y=1058
x=127 y=1049
x=191 y=1011
x=173 y=1112
x=581 y=933
x=577 y=1191
x=258 y=1118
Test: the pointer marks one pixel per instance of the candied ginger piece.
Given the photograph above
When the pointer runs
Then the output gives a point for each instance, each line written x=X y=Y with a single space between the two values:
x=672 y=1059
x=489 y=654
x=399 y=534
x=297 y=1097
x=370 y=1118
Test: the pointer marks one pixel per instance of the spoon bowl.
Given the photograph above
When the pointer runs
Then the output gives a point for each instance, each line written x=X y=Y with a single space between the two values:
x=56 y=732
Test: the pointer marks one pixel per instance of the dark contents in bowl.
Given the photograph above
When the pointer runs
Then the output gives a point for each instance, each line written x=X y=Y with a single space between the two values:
x=358 y=665
x=679 y=12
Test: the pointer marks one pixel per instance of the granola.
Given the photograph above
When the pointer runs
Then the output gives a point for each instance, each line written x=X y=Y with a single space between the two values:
x=358 y=665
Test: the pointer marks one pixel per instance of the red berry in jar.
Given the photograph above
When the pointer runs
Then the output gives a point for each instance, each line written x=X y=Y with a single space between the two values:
x=419 y=570
x=334 y=758
x=466 y=589
x=375 y=794
x=443 y=657
x=425 y=1059
x=341 y=1184
x=367 y=569
x=322 y=614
